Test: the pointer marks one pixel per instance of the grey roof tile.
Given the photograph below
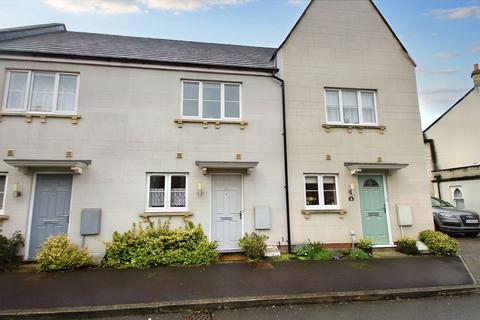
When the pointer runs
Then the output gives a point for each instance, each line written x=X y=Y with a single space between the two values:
x=103 y=46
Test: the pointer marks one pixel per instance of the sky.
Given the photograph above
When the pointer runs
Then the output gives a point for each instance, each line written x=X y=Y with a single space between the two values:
x=442 y=36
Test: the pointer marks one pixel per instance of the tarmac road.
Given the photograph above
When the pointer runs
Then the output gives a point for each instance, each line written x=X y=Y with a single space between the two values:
x=455 y=308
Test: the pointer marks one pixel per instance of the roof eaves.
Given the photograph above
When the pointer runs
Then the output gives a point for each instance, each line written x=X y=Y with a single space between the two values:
x=455 y=104
x=139 y=61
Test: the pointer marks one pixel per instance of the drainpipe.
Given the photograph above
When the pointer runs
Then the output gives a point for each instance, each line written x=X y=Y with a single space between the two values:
x=285 y=156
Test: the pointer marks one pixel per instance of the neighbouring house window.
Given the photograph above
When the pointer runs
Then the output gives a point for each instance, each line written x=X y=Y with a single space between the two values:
x=3 y=186
x=41 y=92
x=345 y=106
x=458 y=200
x=167 y=192
x=321 y=191
x=211 y=100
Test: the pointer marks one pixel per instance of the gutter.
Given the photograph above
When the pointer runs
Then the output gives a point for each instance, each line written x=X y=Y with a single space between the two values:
x=285 y=156
x=433 y=154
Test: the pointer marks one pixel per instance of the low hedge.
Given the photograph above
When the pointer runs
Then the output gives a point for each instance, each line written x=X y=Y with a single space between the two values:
x=439 y=243
x=254 y=245
x=157 y=245
x=9 y=248
x=59 y=254
x=408 y=246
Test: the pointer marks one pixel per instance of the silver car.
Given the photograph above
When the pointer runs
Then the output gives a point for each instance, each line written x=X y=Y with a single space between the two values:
x=450 y=219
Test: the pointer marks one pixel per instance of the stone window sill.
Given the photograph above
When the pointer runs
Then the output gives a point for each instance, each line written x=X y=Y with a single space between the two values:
x=216 y=123
x=341 y=212
x=43 y=116
x=147 y=215
x=350 y=128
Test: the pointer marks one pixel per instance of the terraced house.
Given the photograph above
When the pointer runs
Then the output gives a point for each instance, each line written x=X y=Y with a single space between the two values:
x=317 y=139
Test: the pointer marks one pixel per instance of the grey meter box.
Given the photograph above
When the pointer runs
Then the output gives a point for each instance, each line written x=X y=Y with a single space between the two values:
x=262 y=218
x=90 y=222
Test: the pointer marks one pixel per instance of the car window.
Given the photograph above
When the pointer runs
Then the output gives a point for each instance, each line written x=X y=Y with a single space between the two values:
x=440 y=203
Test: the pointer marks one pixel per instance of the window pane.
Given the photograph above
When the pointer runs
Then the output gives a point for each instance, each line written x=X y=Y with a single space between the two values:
x=42 y=92
x=66 y=102
x=211 y=91
x=156 y=197
x=329 y=191
x=211 y=109
x=178 y=192
x=350 y=107
x=190 y=108
x=368 y=105
x=459 y=203
x=16 y=90
x=457 y=194
x=311 y=191
x=333 y=114
x=190 y=90
x=67 y=84
x=232 y=109
x=232 y=92
x=332 y=98
x=2 y=190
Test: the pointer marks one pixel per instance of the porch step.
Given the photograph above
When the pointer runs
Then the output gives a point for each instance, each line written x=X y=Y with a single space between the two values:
x=272 y=251
x=233 y=257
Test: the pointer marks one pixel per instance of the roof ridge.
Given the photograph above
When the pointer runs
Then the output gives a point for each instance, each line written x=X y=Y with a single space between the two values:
x=30 y=31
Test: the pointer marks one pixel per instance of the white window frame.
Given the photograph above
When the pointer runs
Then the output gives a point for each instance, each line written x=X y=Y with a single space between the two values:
x=4 y=191
x=168 y=182
x=360 y=107
x=29 y=91
x=321 y=201
x=222 y=101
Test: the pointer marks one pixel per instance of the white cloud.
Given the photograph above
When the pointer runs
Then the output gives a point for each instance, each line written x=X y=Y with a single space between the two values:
x=476 y=48
x=439 y=71
x=456 y=13
x=95 y=6
x=135 y=6
x=296 y=2
x=445 y=55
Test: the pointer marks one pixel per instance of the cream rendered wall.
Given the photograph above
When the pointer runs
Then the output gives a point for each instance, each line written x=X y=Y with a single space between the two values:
x=457 y=142
x=127 y=129
x=346 y=44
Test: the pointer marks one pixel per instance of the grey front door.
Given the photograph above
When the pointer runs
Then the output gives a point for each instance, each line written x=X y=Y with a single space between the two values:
x=51 y=209
x=227 y=211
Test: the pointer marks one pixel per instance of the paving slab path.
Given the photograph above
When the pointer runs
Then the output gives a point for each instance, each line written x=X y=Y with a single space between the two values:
x=31 y=290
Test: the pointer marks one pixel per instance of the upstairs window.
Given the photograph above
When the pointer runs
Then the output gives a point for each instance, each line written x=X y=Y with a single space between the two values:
x=167 y=192
x=41 y=92
x=321 y=191
x=211 y=100
x=3 y=187
x=351 y=107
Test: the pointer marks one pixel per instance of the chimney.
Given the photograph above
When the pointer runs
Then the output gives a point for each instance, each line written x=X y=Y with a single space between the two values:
x=476 y=76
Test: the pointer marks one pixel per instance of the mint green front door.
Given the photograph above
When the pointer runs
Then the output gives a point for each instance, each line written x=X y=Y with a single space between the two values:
x=373 y=209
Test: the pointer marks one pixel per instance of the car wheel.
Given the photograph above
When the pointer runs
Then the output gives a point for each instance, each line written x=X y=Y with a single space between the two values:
x=471 y=234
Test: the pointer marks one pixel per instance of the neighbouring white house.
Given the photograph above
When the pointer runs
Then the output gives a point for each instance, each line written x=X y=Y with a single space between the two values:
x=452 y=145
x=317 y=139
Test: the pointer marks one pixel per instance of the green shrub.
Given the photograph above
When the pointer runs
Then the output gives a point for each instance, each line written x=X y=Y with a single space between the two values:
x=323 y=254
x=408 y=246
x=59 y=254
x=308 y=249
x=286 y=257
x=9 y=249
x=157 y=245
x=254 y=245
x=358 y=254
x=365 y=244
x=439 y=243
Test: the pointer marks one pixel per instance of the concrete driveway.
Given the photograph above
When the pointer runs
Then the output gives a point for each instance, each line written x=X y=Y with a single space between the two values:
x=470 y=252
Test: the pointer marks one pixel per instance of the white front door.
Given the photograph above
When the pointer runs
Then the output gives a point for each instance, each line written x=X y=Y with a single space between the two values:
x=227 y=211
